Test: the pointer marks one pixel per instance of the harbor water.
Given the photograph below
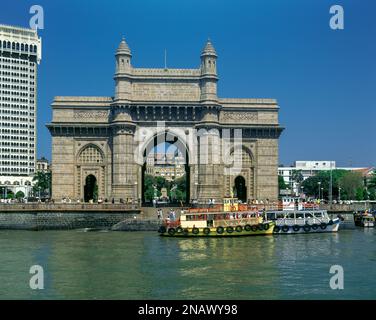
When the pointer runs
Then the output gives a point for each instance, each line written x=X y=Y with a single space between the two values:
x=142 y=265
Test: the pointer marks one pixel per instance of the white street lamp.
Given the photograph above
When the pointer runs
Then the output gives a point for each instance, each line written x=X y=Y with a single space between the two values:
x=319 y=183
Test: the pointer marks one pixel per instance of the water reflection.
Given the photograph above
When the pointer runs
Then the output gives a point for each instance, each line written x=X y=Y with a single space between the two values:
x=141 y=265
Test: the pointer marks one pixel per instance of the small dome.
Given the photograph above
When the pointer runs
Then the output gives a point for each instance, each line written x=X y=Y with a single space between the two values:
x=208 y=49
x=123 y=48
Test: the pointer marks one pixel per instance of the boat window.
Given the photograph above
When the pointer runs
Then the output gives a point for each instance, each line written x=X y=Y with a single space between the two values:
x=309 y=215
x=291 y=215
x=270 y=215
x=280 y=215
x=318 y=214
x=300 y=216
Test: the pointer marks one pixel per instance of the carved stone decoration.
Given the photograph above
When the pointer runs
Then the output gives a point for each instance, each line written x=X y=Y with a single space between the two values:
x=90 y=114
x=123 y=129
x=239 y=116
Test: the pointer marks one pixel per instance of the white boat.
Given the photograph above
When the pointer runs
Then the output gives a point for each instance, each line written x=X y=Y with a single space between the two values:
x=303 y=221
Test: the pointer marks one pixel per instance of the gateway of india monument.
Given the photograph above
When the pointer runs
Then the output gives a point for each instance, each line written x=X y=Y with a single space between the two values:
x=100 y=144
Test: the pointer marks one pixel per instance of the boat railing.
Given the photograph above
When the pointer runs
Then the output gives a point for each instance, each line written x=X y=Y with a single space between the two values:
x=258 y=207
x=302 y=221
x=235 y=222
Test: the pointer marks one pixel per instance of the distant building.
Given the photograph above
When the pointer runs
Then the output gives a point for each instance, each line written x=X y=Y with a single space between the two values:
x=20 y=53
x=167 y=165
x=309 y=169
x=367 y=173
x=43 y=165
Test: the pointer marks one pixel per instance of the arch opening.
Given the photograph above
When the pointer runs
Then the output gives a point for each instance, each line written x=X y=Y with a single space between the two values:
x=91 y=188
x=165 y=174
x=240 y=189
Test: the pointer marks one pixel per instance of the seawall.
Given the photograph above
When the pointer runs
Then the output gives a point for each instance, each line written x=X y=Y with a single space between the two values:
x=61 y=220
x=64 y=216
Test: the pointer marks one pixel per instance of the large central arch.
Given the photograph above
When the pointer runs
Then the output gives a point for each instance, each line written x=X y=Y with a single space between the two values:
x=170 y=139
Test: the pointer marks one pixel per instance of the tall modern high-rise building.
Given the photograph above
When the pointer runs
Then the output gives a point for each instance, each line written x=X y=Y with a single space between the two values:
x=20 y=53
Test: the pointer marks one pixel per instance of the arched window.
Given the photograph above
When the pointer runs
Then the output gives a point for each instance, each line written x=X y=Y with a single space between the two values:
x=22 y=47
x=246 y=156
x=91 y=154
x=17 y=46
x=26 y=47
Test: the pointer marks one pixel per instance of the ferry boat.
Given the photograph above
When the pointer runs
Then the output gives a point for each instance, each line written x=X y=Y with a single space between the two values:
x=365 y=220
x=212 y=222
x=302 y=221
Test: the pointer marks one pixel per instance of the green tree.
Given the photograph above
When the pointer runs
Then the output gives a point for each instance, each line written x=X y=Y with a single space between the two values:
x=149 y=187
x=42 y=183
x=20 y=195
x=10 y=194
x=281 y=183
x=161 y=183
x=365 y=194
x=351 y=182
x=359 y=194
x=311 y=185
x=372 y=182
x=177 y=191
x=372 y=194
x=297 y=176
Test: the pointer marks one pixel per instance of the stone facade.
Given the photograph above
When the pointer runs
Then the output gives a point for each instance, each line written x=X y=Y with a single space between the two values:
x=109 y=137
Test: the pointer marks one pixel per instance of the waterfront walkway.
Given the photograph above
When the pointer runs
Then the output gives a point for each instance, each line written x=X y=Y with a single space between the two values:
x=67 y=207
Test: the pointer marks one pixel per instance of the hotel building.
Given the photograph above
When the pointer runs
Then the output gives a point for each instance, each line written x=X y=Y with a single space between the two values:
x=20 y=53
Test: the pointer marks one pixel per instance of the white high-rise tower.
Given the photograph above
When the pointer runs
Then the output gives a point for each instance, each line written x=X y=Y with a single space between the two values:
x=20 y=53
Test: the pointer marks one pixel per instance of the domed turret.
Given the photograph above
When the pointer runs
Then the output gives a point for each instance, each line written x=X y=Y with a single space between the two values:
x=123 y=71
x=209 y=50
x=209 y=60
x=123 y=48
x=209 y=73
x=123 y=58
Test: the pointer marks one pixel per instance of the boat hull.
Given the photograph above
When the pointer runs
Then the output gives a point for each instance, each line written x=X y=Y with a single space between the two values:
x=188 y=232
x=292 y=229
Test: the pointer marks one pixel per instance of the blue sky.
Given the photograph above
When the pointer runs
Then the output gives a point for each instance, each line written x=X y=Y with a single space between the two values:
x=324 y=80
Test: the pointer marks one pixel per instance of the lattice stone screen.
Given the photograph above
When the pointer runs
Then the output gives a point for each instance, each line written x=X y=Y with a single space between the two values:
x=91 y=154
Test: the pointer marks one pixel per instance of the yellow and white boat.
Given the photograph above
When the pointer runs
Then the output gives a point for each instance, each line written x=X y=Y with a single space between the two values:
x=211 y=222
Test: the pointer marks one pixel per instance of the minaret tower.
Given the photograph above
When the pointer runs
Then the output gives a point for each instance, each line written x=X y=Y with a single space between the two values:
x=209 y=76
x=123 y=72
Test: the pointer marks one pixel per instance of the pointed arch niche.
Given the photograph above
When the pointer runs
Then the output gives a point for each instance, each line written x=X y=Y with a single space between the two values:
x=91 y=162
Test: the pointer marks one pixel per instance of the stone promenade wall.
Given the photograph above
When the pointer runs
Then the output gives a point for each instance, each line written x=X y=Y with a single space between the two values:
x=62 y=220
